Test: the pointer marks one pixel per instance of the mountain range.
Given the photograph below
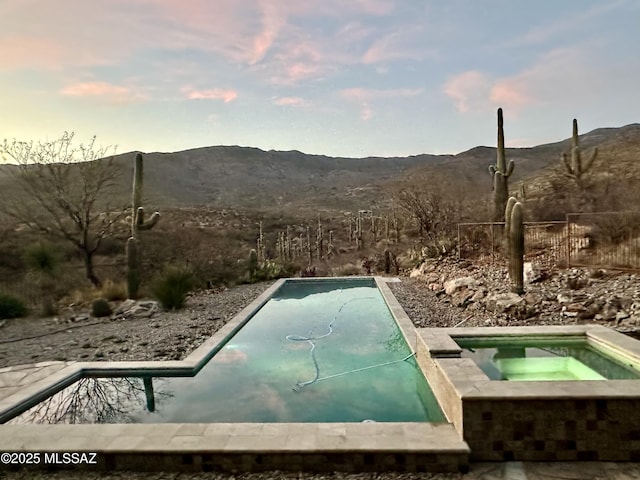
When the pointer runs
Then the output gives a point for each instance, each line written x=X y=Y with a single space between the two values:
x=244 y=177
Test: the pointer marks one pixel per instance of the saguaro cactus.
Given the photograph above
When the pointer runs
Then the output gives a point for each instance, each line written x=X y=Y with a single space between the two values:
x=515 y=229
x=137 y=224
x=252 y=263
x=501 y=172
x=575 y=169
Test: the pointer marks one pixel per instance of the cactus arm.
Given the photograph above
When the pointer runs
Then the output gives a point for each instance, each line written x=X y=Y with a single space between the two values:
x=140 y=223
x=509 y=168
x=492 y=170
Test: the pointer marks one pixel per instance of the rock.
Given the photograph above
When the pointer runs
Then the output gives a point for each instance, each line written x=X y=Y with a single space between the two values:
x=621 y=315
x=609 y=310
x=435 y=286
x=531 y=298
x=575 y=307
x=422 y=270
x=456 y=284
x=505 y=302
x=576 y=283
x=563 y=298
x=478 y=296
x=461 y=298
x=124 y=306
x=534 y=273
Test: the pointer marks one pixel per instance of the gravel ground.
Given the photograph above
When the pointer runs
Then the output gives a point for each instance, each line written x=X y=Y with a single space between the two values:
x=165 y=336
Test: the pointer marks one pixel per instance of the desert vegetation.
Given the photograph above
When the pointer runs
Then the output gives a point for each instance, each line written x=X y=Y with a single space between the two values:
x=69 y=235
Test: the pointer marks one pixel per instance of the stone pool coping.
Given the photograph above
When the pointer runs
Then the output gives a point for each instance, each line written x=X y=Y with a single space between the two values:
x=228 y=446
x=535 y=420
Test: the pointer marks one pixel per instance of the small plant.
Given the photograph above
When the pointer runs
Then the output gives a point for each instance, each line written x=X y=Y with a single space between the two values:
x=252 y=263
x=11 y=307
x=308 y=272
x=113 y=291
x=41 y=257
x=347 y=270
x=172 y=286
x=101 y=308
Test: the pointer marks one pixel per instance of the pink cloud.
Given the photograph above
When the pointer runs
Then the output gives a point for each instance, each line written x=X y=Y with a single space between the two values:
x=559 y=76
x=360 y=94
x=273 y=19
x=469 y=90
x=291 y=102
x=226 y=95
x=103 y=91
x=27 y=52
x=399 y=45
x=510 y=93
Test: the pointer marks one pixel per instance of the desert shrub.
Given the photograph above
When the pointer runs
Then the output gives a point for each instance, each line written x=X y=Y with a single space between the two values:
x=11 y=307
x=346 y=270
x=171 y=287
x=41 y=257
x=271 y=270
x=113 y=291
x=101 y=308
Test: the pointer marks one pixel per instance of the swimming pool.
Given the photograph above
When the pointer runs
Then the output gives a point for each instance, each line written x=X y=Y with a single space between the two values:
x=316 y=351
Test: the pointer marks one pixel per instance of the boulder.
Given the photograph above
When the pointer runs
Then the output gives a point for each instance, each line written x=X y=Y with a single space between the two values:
x=452 y=286
x=533 y=273
x=505 y=302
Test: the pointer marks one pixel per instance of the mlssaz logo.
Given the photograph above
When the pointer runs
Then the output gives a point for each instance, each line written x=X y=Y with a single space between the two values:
x=71 y=458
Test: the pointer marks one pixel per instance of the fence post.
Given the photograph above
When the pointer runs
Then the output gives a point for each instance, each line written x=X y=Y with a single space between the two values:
x=459 y=244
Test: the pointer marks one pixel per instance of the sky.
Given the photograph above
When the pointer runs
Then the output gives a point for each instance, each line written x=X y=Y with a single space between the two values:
x=348 y=78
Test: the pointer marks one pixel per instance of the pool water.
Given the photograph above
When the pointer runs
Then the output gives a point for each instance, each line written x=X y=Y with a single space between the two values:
x=315 y=352
x=543 y=359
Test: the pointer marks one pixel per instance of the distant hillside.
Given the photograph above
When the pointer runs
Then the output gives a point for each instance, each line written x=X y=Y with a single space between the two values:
x=241 y=177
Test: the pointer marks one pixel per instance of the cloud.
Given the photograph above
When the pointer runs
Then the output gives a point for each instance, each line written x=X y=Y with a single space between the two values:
x=17 y=52
x=556 y=77
x=563 y=26
x=291 y=102
x=273 y=19
x=226 y=95
x=469 y=90
x=397 y=45
x=107 y=92
x=365 y=96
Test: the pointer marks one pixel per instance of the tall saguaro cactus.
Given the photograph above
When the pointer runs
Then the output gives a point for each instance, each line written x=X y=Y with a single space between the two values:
x=575 y=169
x=137 y=224
x=500 y=172
x=515 y=231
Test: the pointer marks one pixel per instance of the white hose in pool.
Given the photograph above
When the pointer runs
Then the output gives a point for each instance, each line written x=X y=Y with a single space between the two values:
x=310 y=339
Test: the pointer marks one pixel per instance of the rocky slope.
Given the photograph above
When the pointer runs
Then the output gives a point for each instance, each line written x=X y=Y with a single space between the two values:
x=479 y=295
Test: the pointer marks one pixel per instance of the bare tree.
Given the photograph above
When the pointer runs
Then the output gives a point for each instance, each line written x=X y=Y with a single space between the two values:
x=431 y=199
x=62 y=190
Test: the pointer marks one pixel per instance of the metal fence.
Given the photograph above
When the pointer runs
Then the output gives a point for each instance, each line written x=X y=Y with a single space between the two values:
x=545 y=242
x=604 y=240
x=608 y=240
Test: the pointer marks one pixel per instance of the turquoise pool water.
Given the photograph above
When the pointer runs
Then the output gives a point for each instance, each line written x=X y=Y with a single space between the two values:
x=541 y=359
x=317 y=351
